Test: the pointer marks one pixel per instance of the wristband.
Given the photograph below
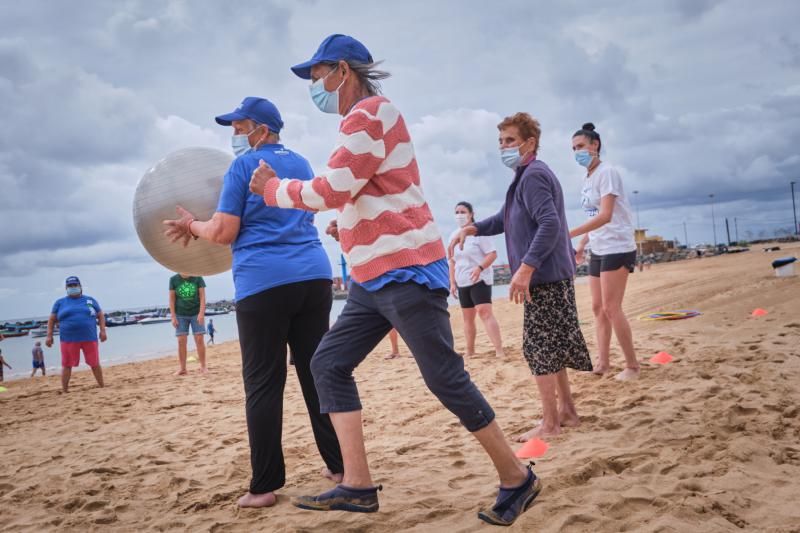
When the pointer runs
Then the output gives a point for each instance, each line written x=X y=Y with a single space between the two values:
x=189 y=227
x=481 y=267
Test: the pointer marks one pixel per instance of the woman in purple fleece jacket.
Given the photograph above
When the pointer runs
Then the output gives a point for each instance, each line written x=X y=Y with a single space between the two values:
x=541 y=256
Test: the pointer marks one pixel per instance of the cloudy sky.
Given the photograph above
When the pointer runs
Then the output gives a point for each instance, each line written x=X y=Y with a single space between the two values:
x=692 y=97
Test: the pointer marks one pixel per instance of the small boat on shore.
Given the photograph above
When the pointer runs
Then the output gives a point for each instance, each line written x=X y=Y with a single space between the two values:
x=113 y=322
x=41 y=331
x=162 y=316
x=14 y=332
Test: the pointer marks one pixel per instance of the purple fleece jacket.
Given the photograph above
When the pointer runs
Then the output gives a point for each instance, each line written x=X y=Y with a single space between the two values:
x=535 y=225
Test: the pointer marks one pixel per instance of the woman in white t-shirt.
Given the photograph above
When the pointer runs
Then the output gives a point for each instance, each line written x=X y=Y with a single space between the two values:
x=609 y=233
x=471 y=281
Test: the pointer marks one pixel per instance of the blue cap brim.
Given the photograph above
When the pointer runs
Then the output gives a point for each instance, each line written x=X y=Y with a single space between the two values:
x=303 y=70
x=225 y=120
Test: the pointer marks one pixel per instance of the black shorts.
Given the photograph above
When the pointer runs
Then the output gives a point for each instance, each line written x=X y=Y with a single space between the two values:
x=611 y=262
x=477 y=294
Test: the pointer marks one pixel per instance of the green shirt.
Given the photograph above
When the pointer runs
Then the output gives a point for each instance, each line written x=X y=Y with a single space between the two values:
x=187 y=294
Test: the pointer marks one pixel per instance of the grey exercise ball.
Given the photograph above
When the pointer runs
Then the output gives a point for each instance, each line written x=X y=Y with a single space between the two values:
x=191 y=178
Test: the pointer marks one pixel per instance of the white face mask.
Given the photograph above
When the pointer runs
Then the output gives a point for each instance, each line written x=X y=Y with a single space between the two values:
x=462 y=219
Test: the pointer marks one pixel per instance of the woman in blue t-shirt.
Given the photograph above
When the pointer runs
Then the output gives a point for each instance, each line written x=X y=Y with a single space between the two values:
x=78 y=318
x=282 y=278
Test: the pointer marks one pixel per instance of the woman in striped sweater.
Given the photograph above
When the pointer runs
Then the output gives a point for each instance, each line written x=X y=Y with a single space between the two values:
x=401 y=276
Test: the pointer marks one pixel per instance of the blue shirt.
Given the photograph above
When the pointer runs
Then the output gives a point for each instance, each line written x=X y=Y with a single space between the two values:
x=434 y=275
x=274 y=246
x=77 y=318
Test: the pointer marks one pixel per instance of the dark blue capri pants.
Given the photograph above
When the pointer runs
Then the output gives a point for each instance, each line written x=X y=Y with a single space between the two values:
x=420 y=316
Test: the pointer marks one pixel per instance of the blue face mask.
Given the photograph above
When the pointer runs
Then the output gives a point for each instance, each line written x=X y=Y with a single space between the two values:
x=584 y=158
x=510 y=156
x=326 y=101
x=73 y=291
x=241 y=143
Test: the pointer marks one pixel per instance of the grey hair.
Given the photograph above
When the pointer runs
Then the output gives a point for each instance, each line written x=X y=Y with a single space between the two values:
x=368 y=75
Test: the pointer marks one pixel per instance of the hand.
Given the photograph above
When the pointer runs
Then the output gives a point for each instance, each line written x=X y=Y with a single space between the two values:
x=260 y=177
x=103 y=336
x=460 y=237
x=580 y=256
x=178 y=229
x=48 y=342
x=174 y=322
x=520 y=288
x=333 y=230
x=201 y=318
x=454 y=290
x=475 y=275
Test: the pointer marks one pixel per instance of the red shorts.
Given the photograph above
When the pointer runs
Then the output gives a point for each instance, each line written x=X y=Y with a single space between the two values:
x=71 y=353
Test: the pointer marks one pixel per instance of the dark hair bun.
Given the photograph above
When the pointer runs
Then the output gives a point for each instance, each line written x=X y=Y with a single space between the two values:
x=588 y=126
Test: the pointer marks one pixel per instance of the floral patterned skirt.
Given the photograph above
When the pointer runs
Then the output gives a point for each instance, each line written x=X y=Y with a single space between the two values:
x=552 y=337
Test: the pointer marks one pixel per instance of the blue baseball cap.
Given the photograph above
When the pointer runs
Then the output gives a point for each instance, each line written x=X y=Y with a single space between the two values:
x=72 y=280
x=256 y=109
x=334 y=48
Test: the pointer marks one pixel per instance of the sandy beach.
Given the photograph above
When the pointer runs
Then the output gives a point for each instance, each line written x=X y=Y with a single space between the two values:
x=709 y=442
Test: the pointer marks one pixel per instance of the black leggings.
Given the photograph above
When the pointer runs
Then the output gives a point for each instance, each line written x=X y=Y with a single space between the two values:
x=297 y=314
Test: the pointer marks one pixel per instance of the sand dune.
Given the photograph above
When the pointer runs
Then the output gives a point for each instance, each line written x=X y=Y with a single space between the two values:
x=709 y=442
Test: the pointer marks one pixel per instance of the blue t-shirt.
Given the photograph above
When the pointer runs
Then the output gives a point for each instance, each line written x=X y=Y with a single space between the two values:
x=434 y=275
x=275 y=246
x=77 y=318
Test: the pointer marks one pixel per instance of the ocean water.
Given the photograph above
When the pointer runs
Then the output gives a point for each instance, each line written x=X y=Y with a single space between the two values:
x=138 y=342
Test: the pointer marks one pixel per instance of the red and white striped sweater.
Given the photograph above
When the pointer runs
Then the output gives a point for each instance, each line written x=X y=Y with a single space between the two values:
x=372 y=179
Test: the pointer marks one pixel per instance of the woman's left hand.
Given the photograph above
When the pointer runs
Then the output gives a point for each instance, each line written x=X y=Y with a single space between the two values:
x=475 y=275
x=520 y=288
x=103 y=336
x=179 y=228
x=260 y=177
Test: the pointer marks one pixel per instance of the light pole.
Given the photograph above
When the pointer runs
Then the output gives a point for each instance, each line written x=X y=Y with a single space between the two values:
x=636 y=201
x=713 y=222
x=794 y=212
x=685 y=235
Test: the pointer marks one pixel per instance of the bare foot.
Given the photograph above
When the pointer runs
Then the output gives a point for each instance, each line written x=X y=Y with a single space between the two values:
x=392 y=356
x=539 y=431
x=628 y=374
x=499 y=353
x=600 y=368
x=468 y=354
x=258 y=500
x=569 y=421
x=203 y=370
x=336 y=478
x=180 y=372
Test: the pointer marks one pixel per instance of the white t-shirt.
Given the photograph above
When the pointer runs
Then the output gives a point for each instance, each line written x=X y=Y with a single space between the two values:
x=475 y=251
x=617 y=236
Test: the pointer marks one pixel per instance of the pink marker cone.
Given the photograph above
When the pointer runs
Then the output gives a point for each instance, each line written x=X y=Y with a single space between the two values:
x=662 y=358
x=532 y=449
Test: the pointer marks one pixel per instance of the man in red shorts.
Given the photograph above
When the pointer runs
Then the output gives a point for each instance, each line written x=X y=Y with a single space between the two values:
x=78 y=316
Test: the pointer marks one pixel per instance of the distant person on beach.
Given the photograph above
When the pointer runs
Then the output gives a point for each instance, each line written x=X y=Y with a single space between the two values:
x=393 y=340
x=534 y=221
x=211 y=330
x=282 y=278
x=471 y=280
x=399 y=271
x=78 y=317
x=2 y=364
x=187 y=306
x=38 y=358
x=609 y=233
